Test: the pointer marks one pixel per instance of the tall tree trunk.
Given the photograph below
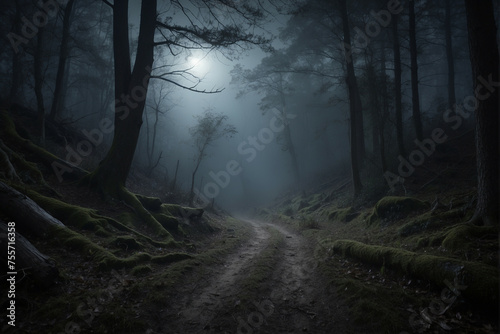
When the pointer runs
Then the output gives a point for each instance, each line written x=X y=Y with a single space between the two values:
x=485 y=67
x=385 y=111
x=63 y=57
x=397 y=86
x=415 y=97
x=150 y=149
x=39 y=84
x=288 y=139
x=374 y=106
x=130 y=94
x=449 y=56
x=354 y=105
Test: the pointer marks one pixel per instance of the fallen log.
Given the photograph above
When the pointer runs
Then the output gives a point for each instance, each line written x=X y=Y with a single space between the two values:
x=481 y=280
x=29 y=216
x=28 y=259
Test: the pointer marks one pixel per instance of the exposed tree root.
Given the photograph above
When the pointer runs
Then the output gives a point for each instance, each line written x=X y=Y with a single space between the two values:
x=52 y=162
x=89 y=219
x=33 y=219
x=8 y=170
x=105 y=259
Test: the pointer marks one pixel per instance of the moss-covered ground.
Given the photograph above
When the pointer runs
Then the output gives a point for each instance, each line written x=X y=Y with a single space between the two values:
x=397 y=261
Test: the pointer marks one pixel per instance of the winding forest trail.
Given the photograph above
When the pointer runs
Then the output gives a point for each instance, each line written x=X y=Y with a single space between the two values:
x=291 y=298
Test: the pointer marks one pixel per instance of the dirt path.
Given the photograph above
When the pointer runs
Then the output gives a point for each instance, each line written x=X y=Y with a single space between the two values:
x=292 y=299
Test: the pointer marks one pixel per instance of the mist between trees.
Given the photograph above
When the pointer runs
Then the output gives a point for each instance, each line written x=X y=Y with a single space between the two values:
x=362 y=106
x=248 y=148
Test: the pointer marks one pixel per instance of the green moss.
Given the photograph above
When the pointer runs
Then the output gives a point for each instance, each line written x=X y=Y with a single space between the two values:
x=69 y=214
x=308 y=223
x=342 y=215
x=170 y=258
x=311 y=208
x=176 y=271
x=299 y=205
x=141 y=270
x=168 y=222
x=150 y=203
x=431 y=221
x=481 y=279
x=127 y=242
x=128 y=219
x=181 y=211
x=465 y=235
x=27 y=171
x=394 y=208
x=288 y=210
x=145 y=216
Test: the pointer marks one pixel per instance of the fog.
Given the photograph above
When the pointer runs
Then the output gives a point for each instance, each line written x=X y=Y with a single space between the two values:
x=306 y=57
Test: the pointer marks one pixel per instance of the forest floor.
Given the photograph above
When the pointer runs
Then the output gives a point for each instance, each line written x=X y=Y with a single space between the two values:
x=313 y=263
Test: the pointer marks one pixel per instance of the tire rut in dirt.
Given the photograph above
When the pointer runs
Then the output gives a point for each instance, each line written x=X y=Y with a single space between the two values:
x=296 y=291
x=211 y=298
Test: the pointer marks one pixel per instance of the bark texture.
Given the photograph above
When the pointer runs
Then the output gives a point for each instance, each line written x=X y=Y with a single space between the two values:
x=485 y=67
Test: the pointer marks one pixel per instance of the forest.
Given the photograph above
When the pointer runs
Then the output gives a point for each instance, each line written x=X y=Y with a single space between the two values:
x=249 y=166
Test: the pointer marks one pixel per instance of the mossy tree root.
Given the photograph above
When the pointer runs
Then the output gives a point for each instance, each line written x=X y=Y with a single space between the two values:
x=119 y=192
x=89 y=219
x=143 y=214
x=105 y=259
x=52 y=162
x=481 y=280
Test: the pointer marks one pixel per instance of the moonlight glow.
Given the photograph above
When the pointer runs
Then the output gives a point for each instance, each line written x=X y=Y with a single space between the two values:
x=197 y=64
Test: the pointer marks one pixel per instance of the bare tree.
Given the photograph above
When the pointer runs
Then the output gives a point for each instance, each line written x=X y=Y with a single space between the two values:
x=210 y=127
x=157 y=107
x=215 y=27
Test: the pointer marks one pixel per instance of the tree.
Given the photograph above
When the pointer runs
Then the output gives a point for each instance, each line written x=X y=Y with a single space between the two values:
x=131 y=83
x=271 y=78
x=210 y=127
x=63 y=57
x=485 y=60
x=449 y=56
x=38 y=76
x=417 y=120
x=397 y=86
x=152 y=129
x=355 y=108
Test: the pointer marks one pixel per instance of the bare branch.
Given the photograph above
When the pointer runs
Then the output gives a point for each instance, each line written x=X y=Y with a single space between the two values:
x=108 y=3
